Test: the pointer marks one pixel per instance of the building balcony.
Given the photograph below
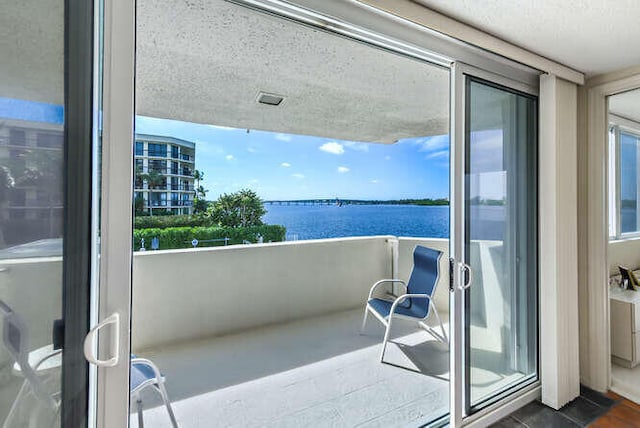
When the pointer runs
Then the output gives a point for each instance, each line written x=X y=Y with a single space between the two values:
x=268 y=334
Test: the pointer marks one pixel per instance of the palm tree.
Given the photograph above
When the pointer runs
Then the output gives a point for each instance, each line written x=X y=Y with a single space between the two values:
x=198 y=175
x=6 y=184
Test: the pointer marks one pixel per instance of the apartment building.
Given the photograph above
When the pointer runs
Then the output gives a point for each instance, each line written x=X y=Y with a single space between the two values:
x=31 y=155
x=164 y=174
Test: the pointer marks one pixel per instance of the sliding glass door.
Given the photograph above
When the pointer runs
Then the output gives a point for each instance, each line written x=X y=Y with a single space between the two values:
x=495 y=242
x=46 y=180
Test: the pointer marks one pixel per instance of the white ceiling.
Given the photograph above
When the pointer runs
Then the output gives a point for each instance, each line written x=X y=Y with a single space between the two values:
x=31 y=50
x=592 y=36
x=626 y=105
x=206 y=62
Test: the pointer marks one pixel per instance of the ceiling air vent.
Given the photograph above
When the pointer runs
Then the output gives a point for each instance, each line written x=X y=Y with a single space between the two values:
x=270 y=99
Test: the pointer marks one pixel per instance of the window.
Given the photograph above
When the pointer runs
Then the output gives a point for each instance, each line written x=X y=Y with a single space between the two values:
x=624 y=181
x=174 y=152
x=50 y=141
x=158 y=166
x=17 y=137
x=158 y=150
x=139 y=148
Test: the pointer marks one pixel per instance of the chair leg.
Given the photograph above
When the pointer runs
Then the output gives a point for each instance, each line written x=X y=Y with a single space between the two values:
x=364 y=320
x=386 y=339
x=167 y=403
x=140 y=418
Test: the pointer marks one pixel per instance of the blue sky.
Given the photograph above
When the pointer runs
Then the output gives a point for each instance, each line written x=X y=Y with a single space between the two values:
x=285 y=166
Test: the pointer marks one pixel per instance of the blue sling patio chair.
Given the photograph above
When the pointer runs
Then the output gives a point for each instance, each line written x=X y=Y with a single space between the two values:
x=417 y=302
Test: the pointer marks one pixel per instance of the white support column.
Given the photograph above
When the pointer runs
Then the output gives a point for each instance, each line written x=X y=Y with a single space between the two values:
x=559 y=354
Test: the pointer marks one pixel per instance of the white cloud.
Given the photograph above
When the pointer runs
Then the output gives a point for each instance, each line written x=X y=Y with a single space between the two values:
x=285 y=165
x=343 y=169
x=229 y=157
x=442 y=154
x=332 y=147
x=429 y=144
x=375 y=181
x=361 y=147
x=298 y=176
x=254 y=181
x=387 y=158
x=283 y=137
x=251 y=150
x=222 y=128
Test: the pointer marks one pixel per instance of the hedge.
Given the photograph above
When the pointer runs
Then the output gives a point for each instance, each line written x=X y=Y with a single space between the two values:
x=181 y=237
x=164 y=221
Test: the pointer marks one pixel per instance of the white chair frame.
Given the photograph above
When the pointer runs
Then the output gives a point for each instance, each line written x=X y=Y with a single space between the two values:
x=387 y=321
x=158 y=382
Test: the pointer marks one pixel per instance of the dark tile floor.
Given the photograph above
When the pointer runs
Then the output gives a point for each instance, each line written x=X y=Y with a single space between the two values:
x=590 y=409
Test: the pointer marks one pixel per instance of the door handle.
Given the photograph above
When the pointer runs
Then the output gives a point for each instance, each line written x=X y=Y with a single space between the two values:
x=467 y=274
x=90 y=340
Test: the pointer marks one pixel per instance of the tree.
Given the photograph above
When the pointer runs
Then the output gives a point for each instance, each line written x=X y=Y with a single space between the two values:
x=240 y=209
x=138 y=204
x=198 y=175
x=6 y=184
x=43 y=170
x=199 y=202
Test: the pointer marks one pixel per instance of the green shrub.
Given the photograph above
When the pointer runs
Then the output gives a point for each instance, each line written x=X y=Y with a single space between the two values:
x=181 y=237
x=165 y=221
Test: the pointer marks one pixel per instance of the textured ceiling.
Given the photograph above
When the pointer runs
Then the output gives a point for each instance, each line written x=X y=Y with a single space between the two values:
x=207 y=61
x=592 y=36
x=31 y=50
x=626 y=104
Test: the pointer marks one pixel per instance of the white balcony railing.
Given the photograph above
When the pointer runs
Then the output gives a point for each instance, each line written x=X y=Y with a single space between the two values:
x=185 y=294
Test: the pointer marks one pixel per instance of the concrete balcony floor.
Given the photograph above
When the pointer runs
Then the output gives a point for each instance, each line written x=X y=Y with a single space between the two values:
x=313 y=372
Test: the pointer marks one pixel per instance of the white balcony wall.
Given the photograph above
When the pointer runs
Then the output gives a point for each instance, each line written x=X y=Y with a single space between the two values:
x=186 y=294
x=31 y=287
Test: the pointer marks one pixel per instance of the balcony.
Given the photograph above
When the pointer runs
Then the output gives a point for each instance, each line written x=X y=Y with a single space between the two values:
x=289 y=352
x=182 y=187
x=267 y=334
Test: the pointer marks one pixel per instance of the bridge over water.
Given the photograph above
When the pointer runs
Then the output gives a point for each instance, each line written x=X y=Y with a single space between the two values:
x=333 y=201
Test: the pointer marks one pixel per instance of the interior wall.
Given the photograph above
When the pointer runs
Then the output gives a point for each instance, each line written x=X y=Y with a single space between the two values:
x=594 y=262
x=624 y=252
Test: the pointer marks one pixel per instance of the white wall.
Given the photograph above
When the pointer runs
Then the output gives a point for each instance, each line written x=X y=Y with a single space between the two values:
x=186 y=294
x=33 y=289
x=625 y=252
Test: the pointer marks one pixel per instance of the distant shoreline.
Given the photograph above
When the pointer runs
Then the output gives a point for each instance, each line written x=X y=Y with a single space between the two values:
x=338 y=201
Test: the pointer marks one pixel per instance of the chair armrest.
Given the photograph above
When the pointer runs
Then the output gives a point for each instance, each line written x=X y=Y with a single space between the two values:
x=51 y=355
x=148 y=363
x=384 y=281
x=402 y=298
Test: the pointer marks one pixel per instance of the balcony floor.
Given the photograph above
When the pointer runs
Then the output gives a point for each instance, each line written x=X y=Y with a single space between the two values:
x=313 y=372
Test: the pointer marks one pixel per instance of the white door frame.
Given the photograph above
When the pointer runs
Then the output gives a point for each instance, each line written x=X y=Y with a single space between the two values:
x=112 y=407
x=116 y=218
x=517 y=399
x=595 y=273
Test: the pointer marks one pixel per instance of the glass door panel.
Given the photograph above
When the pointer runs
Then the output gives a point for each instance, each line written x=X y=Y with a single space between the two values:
x=32 y=140
x=500 y=241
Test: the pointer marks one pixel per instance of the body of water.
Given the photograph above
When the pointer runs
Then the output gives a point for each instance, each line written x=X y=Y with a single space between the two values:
x=331 y=221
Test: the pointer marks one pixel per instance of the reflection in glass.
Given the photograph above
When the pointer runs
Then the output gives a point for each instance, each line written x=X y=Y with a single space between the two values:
x=31 y=209
x=501 y=240
x=629 y=182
